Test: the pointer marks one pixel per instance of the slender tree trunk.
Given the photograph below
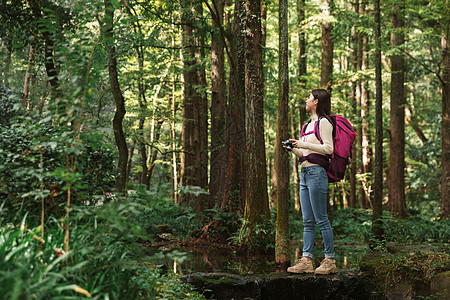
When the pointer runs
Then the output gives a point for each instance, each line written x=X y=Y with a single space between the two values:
x=301 y=57
x=154 y=152
x=356 y=100
x=234 y=196
x=445 y=192
x=200 y=117
x=282 y=245
x=327 y=46
x=26 y=86
x=396 y=181
x=118 y=99
x=9 y=44
x=256 y=204
x=295 y=171
x=366 y=165
x=377 y=228
x=218 y=108
x=130 y=159
x=189 y=80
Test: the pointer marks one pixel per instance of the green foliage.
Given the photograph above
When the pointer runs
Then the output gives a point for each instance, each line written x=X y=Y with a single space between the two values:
x=104 y=260
x=354 y=224
x=260 y=237
x=8 y=105
x=163 y=211
x=36 y=165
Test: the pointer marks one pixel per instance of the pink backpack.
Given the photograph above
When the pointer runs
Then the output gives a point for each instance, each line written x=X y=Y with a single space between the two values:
x=343 y=138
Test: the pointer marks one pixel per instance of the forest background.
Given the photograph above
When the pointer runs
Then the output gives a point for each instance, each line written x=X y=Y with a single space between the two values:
x=115 y=113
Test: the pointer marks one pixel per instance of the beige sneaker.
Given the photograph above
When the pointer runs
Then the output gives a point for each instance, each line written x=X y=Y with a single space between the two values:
x=328 y=266
x=303 y=265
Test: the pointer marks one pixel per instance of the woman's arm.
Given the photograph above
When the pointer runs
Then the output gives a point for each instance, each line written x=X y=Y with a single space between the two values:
x=298 y=152
x=326 y=133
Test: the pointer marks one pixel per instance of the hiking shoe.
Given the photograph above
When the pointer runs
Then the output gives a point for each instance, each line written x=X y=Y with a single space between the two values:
x=303 y=265
x=328 y=266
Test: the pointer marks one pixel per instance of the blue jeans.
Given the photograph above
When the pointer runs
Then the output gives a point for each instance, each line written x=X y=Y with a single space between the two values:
x=313 y=200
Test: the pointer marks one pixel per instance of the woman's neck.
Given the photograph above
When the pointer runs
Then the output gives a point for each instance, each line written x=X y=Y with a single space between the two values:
x=314 y=116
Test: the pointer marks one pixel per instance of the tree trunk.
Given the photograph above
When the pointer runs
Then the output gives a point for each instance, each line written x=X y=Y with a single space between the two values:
x=234 y=195
x=118 y=99
x=49 y=59
x=445 y=192
x=396 y=181
x=200 y=117
x=327 y=46
x=189 y=80
x=154 y=152
x=282 y=245
x=366 y=162
x=218 y=108
x=377 y=229
x=9 y=44
x=26 y=85
x=356 y=100
x=256 y=202
x=301 y=57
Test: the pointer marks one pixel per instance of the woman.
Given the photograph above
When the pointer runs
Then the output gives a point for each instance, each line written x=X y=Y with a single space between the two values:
x=314 y=184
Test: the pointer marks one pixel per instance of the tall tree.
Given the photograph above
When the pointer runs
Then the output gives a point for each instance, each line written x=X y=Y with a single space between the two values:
x=377 y=228
x=256 y=198
x=445 y=192
x=282 y=245
x=396 y=182
x=218 y=107
x=193 y=162
x=327 y=46
x=356 y=101
x=301 y=69
x=234 y=195
x=366 y=165
x=200 y=137
x=119 y=100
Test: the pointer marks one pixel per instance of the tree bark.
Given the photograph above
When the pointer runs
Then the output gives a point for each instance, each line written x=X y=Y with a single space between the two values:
x=194 y=160
x=200 y=117
x=282 y=245
x=26 y=85
x=396 y=182
x=234 y=195
x=377 y=229
x=302 y=61
x=218 y=108
x=445 y=192
x=356 y=100
x=366 y=161
x=256 y=202
x=118 y=99
x=189 y=80
x=327 y=46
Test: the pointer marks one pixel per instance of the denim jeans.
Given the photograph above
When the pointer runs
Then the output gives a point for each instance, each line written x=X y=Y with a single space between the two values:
x=313 y=200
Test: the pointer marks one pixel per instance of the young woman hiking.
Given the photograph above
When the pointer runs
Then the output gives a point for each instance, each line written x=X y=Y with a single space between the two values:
x=314 y=183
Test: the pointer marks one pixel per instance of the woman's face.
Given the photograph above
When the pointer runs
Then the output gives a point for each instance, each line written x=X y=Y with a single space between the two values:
x=311 y=103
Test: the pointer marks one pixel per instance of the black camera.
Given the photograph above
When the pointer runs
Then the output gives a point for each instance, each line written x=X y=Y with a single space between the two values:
x=288 y=145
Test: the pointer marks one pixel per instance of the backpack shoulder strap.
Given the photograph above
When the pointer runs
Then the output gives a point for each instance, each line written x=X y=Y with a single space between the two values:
x=302 y=133
x=316 y=130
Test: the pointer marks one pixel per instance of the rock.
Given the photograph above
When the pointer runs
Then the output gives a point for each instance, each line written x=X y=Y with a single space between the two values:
x=164 y=236
x=440 y=285
x=347 y=284
x=163 y=229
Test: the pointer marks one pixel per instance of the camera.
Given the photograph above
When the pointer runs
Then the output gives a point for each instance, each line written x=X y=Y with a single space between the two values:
x=288 y=145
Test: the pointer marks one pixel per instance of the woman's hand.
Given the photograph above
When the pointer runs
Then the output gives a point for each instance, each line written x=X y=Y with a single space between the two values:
x=297 y=144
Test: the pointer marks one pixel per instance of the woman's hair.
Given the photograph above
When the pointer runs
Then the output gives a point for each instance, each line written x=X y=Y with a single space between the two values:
x=324 y=104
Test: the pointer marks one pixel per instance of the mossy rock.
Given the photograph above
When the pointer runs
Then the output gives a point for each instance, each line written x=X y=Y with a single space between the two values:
x=440 y=285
